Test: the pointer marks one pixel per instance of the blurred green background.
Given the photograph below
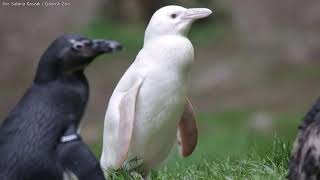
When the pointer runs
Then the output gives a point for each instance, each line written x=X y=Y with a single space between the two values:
x=255 y=76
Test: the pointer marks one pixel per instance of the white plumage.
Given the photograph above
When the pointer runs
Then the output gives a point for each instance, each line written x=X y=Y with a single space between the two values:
x=145 y=108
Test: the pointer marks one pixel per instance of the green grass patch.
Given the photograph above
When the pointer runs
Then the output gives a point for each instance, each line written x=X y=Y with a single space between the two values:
x=272 y=165
x=228 y=148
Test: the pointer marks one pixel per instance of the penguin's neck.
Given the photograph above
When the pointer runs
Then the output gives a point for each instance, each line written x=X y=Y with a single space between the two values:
x=48 y=70
x=75 y=76
x=169 y=53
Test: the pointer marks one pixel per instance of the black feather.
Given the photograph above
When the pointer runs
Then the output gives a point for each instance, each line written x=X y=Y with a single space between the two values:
x=30 y=147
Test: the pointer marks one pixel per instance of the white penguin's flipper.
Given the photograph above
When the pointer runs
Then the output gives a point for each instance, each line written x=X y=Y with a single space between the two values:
x=187 y=131
x=119 y=122
x=126 y=109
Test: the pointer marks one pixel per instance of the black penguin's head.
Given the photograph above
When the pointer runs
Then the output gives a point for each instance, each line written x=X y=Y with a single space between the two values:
x=72 y=53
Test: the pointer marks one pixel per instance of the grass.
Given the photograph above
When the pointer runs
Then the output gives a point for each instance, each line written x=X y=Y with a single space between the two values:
x=229 y=149
x=272 y=165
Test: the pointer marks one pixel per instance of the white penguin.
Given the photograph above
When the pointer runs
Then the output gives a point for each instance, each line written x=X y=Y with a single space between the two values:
x=149 y=110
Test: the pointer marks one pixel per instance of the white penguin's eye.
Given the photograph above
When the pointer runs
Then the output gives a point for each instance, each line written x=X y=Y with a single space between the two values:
x=173 y=16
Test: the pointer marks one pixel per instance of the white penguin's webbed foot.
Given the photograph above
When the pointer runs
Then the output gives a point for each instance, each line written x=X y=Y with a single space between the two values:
x=137 y=169
x=136 y=175
x=134 y=164
x=143 y=175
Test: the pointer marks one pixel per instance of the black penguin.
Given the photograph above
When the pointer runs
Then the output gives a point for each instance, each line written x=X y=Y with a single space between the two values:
x=31 y=137
x=305 y=159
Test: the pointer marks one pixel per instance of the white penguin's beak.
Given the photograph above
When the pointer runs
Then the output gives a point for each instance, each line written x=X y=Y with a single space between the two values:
x=196 y=13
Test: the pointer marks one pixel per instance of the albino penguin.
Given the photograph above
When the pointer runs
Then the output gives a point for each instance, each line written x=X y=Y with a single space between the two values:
x=149 y=109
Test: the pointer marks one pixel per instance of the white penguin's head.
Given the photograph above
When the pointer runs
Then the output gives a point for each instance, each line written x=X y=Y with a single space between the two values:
x=173 y=20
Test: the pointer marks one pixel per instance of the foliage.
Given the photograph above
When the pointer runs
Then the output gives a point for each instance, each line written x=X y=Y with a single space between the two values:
x=254 y=166
x=228 y=149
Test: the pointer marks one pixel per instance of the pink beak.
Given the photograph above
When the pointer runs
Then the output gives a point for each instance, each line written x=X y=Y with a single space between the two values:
x=196 y=13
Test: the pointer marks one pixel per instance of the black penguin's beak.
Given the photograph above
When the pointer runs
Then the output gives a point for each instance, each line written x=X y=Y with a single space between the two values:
x=106 y=46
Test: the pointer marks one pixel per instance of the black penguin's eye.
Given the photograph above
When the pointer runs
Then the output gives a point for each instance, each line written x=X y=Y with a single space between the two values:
x=78 y=46
x=173 y=16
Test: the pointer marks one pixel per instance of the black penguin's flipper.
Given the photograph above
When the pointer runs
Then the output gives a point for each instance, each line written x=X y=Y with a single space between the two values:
x=70 y=135
x=76 y=157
